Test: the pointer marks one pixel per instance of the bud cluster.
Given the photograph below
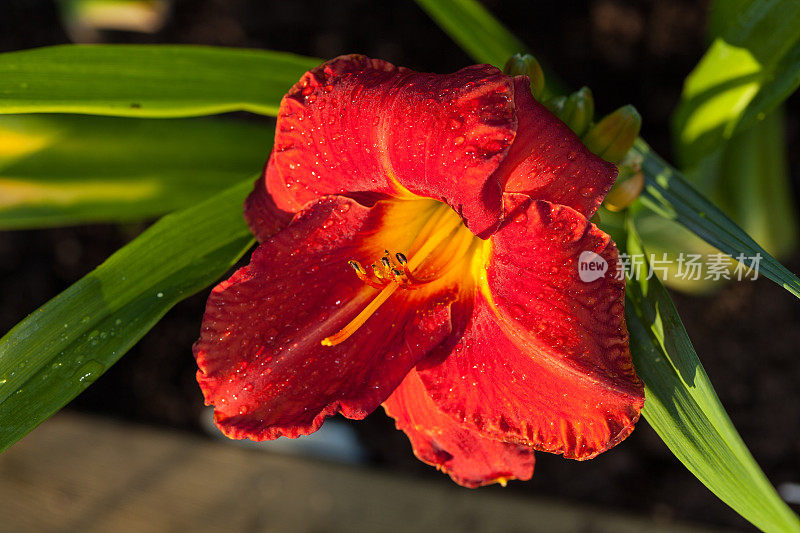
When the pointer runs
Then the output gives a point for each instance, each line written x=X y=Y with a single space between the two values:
x=611 y=138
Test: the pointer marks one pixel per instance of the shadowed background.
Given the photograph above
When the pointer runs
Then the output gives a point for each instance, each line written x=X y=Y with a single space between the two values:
x=627 y=52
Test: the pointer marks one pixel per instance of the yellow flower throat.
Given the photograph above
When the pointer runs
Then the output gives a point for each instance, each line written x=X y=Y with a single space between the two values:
x=443 y=233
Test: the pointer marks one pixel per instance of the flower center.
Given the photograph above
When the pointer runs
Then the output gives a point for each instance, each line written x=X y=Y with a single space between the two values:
x=443 y=233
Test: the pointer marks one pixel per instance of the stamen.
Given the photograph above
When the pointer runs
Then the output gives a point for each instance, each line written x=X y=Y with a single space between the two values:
x=362 y=275
x=356 y=266
x=411 y=277
x=438 y=229
x=345 y=333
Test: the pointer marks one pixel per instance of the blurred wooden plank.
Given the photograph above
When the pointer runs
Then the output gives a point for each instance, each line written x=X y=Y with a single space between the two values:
x=78 y=473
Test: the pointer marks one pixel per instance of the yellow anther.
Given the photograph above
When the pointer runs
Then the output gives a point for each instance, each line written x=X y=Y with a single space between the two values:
x=356 y=266
x=362 y=275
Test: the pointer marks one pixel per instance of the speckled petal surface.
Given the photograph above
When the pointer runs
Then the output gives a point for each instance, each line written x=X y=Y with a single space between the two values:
x=261 y=362
x=359 y=124
x=545 y=359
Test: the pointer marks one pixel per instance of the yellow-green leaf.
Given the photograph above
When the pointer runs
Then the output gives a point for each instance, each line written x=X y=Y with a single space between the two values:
x=147 y=81
x=71 y=169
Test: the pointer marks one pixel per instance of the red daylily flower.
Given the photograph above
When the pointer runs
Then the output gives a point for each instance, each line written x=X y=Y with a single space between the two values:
x=470 y=202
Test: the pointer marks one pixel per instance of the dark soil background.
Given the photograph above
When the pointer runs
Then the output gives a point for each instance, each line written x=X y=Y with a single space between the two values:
x=628 y=52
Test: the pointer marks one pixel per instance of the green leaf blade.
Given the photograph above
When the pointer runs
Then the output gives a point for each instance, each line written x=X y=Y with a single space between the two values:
x=72 y=169
x=669 y=194
x=146 y=81
x=684 y=410
x=750 y=68
x=60 y=349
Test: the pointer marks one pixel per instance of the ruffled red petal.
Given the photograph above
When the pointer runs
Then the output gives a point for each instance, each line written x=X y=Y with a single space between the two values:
x=470 y=459
x=358 y=124
x=545 y=359
x=260 y=356
x=547 y=161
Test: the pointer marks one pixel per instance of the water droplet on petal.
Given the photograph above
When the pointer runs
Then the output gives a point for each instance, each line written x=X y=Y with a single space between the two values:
x=517 y=311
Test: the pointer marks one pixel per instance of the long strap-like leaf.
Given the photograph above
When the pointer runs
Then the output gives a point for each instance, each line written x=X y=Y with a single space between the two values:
x=669 y=194
x=60 y=349
x=683 y=408
x=64 y=169
x=146 y=81
x=751 y=67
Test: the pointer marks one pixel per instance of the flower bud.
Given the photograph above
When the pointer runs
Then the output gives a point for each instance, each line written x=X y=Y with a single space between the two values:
x=526 y=65
x=579 y=111
x=612 y=137
x=628 y=185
